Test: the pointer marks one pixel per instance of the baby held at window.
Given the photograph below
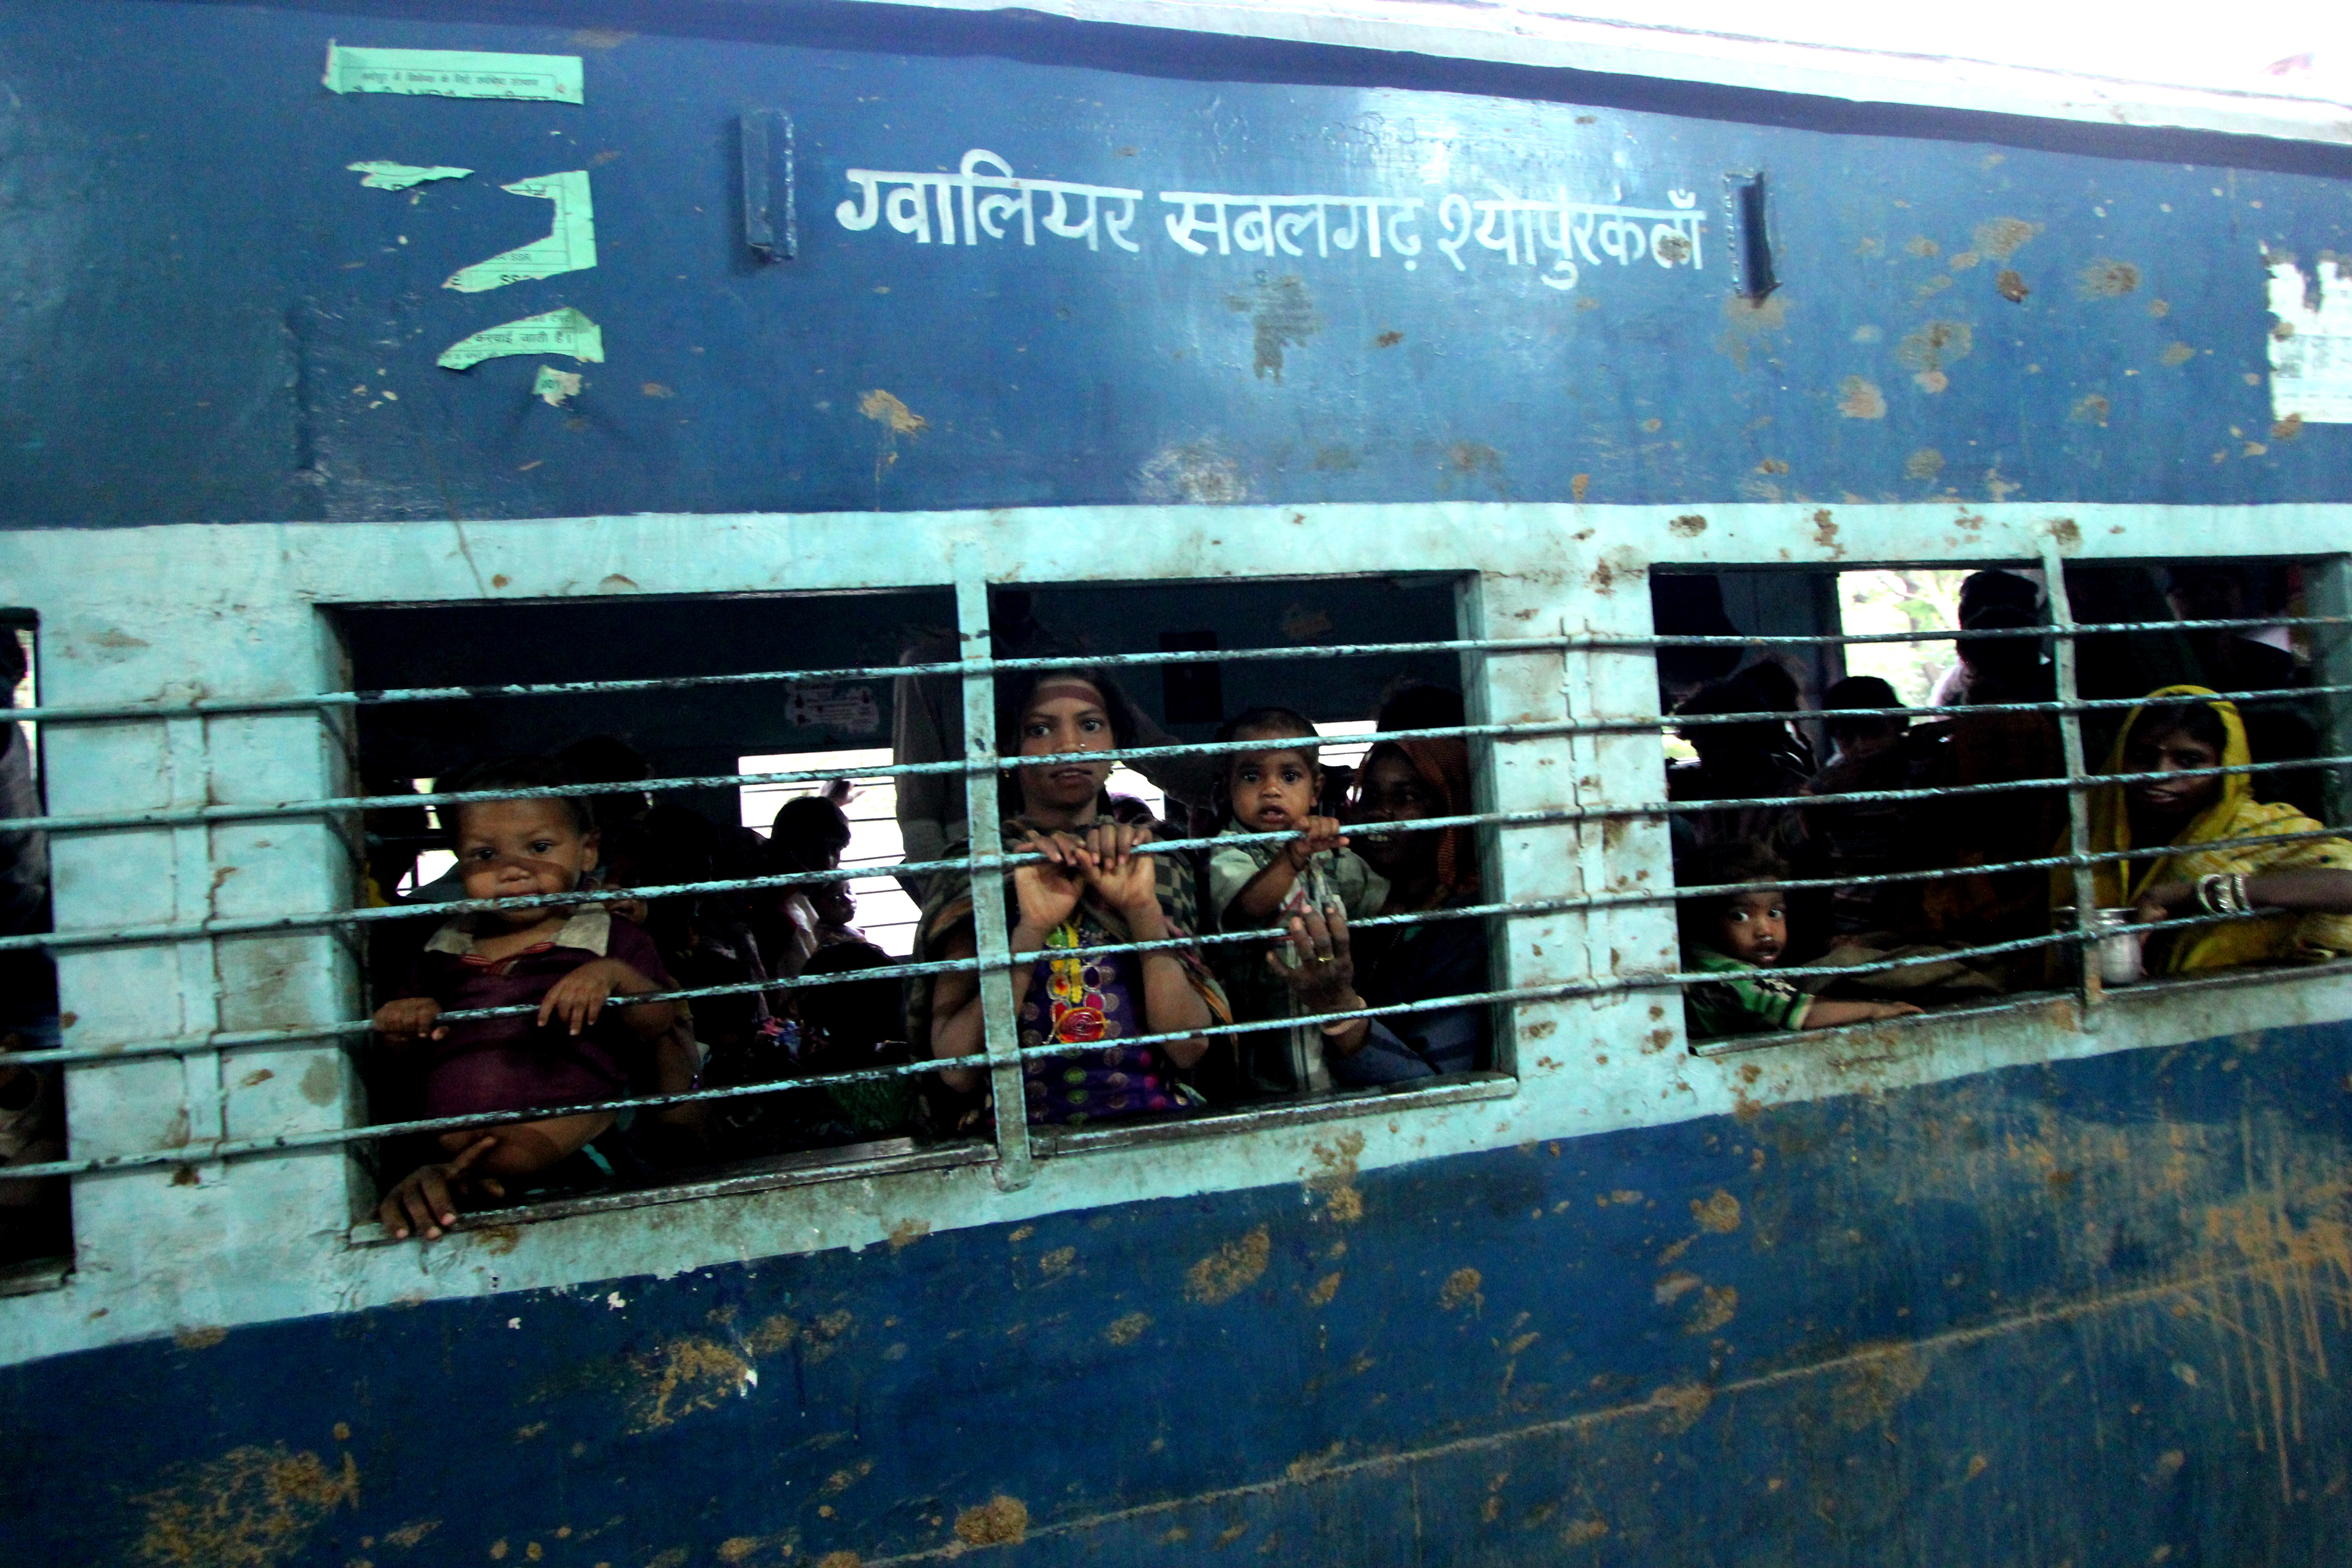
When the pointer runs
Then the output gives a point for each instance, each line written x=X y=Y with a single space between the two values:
x=1257 y=883
x=568 y=960
x=1741 y=935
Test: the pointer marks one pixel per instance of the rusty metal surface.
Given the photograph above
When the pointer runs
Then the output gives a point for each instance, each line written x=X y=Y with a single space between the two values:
x=1909 y=1327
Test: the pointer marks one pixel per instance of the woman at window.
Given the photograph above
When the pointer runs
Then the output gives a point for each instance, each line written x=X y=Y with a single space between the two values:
x=1333 y=971
x=1093 y=887
x=2206 y=818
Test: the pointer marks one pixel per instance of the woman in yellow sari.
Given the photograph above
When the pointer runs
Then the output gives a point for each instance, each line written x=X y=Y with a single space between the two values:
x=2174 y=733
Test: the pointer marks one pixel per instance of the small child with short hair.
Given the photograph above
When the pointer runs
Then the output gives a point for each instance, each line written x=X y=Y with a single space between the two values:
x=1741 y=935
x=1252 y=886
x=571 y=959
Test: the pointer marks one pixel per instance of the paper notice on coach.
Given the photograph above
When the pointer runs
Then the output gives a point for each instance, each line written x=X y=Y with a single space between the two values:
x=455 y=73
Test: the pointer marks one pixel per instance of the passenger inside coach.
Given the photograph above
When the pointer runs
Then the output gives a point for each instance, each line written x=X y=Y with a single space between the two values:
x=1741 y=934
x=2208 y=819
x=571 y=959
x=1999 y=594
x=1093 y=889
x=1329 y=969
x=1753 y=760
x=1866 y=838
x=1253 y=885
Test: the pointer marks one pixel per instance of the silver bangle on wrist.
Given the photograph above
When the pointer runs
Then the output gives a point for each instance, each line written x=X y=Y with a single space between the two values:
x=2224 y=893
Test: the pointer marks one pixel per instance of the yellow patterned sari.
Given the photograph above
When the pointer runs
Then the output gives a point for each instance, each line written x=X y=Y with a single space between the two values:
x=2206 y=846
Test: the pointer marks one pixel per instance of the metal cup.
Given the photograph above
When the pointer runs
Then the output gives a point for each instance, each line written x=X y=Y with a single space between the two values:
x=2120 y=960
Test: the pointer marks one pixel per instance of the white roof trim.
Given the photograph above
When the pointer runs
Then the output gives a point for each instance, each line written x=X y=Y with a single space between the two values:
x=1506 y=35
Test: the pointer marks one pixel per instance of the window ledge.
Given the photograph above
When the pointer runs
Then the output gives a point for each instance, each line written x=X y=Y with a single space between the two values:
x=34 y=1275
x=1450 y=1091
x=849 y=1162
x=2140 y=994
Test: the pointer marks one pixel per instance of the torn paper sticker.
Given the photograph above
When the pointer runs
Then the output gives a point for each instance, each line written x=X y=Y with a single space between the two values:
x=383 y=176
x=565 y=332
x=2310 y=341
x=569 y=245
x=555 y=387
x=847 y=708
x=455 y=73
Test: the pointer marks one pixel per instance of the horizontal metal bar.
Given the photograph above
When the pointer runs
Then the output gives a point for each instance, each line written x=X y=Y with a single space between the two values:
x=1953 y=711
x=199 y=931
x=191 y=816
x=1951 y=792
x=1640 y=982
x=293 y=1142
x=195 y=1045
x=1522 y=730
x=205 y=707
x=80 y=713
x=1603 y=642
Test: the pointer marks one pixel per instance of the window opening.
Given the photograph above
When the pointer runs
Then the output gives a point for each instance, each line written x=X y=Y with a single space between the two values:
x=36 y=1223
x=682 y=893
x=2119 y=780
x=579 y=813
x=882 y=911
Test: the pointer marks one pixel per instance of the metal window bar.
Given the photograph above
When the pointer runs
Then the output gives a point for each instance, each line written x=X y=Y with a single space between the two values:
x=982 y=764
x=225 y=1149
x=2078 y=802
x=1524 y=729
x=103 y=936
x=189 y=1045
x=895 y=769
x=95 y=713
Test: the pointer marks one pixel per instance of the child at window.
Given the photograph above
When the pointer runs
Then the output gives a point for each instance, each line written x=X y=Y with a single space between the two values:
x=1252 y=886
x=1741 y=935
x=568 y=959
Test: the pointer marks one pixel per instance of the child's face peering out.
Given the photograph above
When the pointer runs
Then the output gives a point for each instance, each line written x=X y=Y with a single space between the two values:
x=1273 y=790
x=520 y=849
x=1065 y=716
x=1754 y=927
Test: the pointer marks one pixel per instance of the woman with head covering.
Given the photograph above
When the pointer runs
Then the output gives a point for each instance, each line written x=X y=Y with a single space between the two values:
x=1331 y=972
x=2207 y=819
x=1093 y=887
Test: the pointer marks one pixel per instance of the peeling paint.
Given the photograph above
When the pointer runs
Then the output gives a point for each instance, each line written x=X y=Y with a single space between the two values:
x=1228 y=1271
x=251 y=1508
x=2106 y=279
x=1929 y=350
x=1000 y=1522
x=2001 y=237
x=1859 y=398
x=1461 y=1289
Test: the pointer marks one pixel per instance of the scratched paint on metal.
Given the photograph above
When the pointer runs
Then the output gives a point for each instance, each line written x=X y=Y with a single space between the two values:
x=1241 y=351
x=1854 y=1328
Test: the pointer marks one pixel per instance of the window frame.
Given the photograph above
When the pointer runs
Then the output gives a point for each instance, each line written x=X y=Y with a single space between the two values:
x=272 y=1240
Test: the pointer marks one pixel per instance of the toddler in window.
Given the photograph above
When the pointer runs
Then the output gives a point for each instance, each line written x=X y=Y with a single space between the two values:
x=1740 y=936
x=569 y=959
x=1252 y=886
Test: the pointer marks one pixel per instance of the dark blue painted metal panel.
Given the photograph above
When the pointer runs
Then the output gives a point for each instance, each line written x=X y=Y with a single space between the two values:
x=2093 y=1312
x=210 y=307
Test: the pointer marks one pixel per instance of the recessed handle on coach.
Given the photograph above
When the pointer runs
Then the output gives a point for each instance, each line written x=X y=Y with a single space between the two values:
x=1746 y=220
x=765 y=143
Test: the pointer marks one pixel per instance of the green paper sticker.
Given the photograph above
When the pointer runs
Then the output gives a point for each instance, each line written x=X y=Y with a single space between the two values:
x=565 y=332
x=384 y=176
x=455 y=73
x=555 y=387
x=569 y=245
